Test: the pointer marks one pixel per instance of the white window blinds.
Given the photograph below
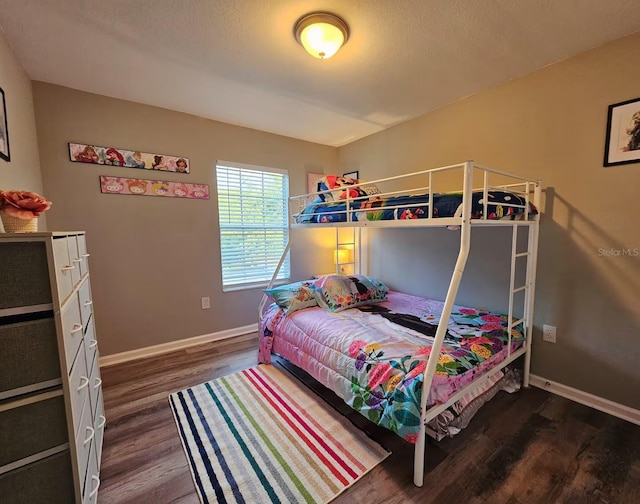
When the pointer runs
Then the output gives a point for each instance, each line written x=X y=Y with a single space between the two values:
x=253 y=210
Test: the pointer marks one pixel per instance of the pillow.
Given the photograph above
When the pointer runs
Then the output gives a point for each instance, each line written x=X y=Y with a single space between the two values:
x=293 y=296
x=382 y=288
x=340 y=292
x=341 y=186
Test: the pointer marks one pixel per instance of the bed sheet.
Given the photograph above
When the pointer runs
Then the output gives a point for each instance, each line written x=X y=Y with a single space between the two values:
x=375 y=208
x=375 y=361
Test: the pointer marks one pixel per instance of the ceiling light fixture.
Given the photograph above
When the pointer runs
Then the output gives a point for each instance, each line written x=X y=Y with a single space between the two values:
x=321 y=33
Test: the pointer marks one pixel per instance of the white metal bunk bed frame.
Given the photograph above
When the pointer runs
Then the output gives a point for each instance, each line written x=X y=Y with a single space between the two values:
x=465 y=223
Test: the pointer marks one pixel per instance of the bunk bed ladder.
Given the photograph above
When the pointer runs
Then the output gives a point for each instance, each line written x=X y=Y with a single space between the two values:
x=530 y=257
x=513 y=290
x=515 y=255
x=532 y=263
x=351 y=243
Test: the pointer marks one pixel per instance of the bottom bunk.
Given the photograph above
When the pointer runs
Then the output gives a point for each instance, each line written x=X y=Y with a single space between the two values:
x=374 y=355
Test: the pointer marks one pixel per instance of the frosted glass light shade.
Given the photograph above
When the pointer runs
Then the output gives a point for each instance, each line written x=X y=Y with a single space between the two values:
x=321 y=34
x=341 y=256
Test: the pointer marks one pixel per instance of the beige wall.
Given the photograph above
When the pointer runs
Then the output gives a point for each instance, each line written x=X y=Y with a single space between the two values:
x=152 y=259
x=550 y=125
x=23 y=171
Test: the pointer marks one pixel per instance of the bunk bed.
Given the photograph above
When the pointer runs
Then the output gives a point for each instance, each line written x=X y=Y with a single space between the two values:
x=430 y=363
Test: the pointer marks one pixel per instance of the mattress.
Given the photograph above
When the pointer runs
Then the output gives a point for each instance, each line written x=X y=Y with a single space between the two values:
x=374 y=357
x=374 y=208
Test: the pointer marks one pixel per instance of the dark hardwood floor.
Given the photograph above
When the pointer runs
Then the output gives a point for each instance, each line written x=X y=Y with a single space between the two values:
x=529 y=447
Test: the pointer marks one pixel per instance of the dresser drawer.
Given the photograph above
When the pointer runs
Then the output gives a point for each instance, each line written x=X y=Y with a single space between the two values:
x=63 y=268
x=24 y=275
x=29 y=353
x=84 y=295
x=82 y=250
x=27 y=428
x=72 y=330
x=49 y=481
x=79 y=388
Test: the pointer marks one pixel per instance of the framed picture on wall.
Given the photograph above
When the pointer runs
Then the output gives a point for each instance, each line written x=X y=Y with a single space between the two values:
x=623 y=133
x=4 y=129
x=352 y=174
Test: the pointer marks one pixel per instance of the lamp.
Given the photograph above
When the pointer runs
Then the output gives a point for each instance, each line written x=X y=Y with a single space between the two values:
x=321 y=33
x=341 y=257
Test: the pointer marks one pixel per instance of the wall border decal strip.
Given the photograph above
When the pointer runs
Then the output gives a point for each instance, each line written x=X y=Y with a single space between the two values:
x=144 y=187
x=112 y=156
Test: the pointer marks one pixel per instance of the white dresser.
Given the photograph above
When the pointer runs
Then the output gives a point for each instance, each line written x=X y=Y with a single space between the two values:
x=51 y=409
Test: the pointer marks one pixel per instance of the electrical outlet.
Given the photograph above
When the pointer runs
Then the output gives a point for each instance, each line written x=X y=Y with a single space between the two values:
x=549 y=333
x=206 y=303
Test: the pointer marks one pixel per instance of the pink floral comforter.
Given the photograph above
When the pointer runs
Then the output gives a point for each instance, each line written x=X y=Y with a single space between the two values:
x=376 y=365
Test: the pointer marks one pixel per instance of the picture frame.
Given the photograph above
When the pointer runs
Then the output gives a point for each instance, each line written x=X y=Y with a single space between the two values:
x=622 y=143
x=352 y=174
x=5 y=153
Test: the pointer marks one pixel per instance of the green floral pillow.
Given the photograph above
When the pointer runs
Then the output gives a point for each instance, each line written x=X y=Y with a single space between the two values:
x=293 y=296
x=340 y=292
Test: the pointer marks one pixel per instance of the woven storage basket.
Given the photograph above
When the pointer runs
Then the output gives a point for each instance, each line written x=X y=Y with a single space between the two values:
x=15 y=225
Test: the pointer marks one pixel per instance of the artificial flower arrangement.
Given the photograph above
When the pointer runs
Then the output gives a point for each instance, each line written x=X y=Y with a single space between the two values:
x=19 y=211
x=23 y=205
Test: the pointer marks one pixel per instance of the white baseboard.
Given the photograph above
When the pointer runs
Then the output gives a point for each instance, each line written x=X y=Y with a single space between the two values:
x=612 y=408
x=139 y=353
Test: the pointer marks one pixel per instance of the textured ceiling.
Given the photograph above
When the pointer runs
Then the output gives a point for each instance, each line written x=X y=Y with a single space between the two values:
x=237 y=60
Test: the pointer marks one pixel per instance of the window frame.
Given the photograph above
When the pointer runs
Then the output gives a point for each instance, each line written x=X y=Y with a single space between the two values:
x=286 y=186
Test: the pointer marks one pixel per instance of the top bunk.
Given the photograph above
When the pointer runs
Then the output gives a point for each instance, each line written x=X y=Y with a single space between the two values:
x=445 y=196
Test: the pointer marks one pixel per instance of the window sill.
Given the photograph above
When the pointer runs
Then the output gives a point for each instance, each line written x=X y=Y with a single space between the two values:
x=258 y=285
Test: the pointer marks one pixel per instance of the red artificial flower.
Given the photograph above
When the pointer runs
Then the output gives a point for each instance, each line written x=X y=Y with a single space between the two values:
x=23 y=204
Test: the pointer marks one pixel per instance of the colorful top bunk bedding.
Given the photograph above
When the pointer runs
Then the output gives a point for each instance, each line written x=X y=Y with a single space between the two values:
x=373 y=356
x=367 y=204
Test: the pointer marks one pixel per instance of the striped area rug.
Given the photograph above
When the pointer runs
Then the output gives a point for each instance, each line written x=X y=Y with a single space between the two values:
x=260 y=436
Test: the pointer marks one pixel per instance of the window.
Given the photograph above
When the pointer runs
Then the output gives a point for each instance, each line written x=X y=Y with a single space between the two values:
x=253 y=209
